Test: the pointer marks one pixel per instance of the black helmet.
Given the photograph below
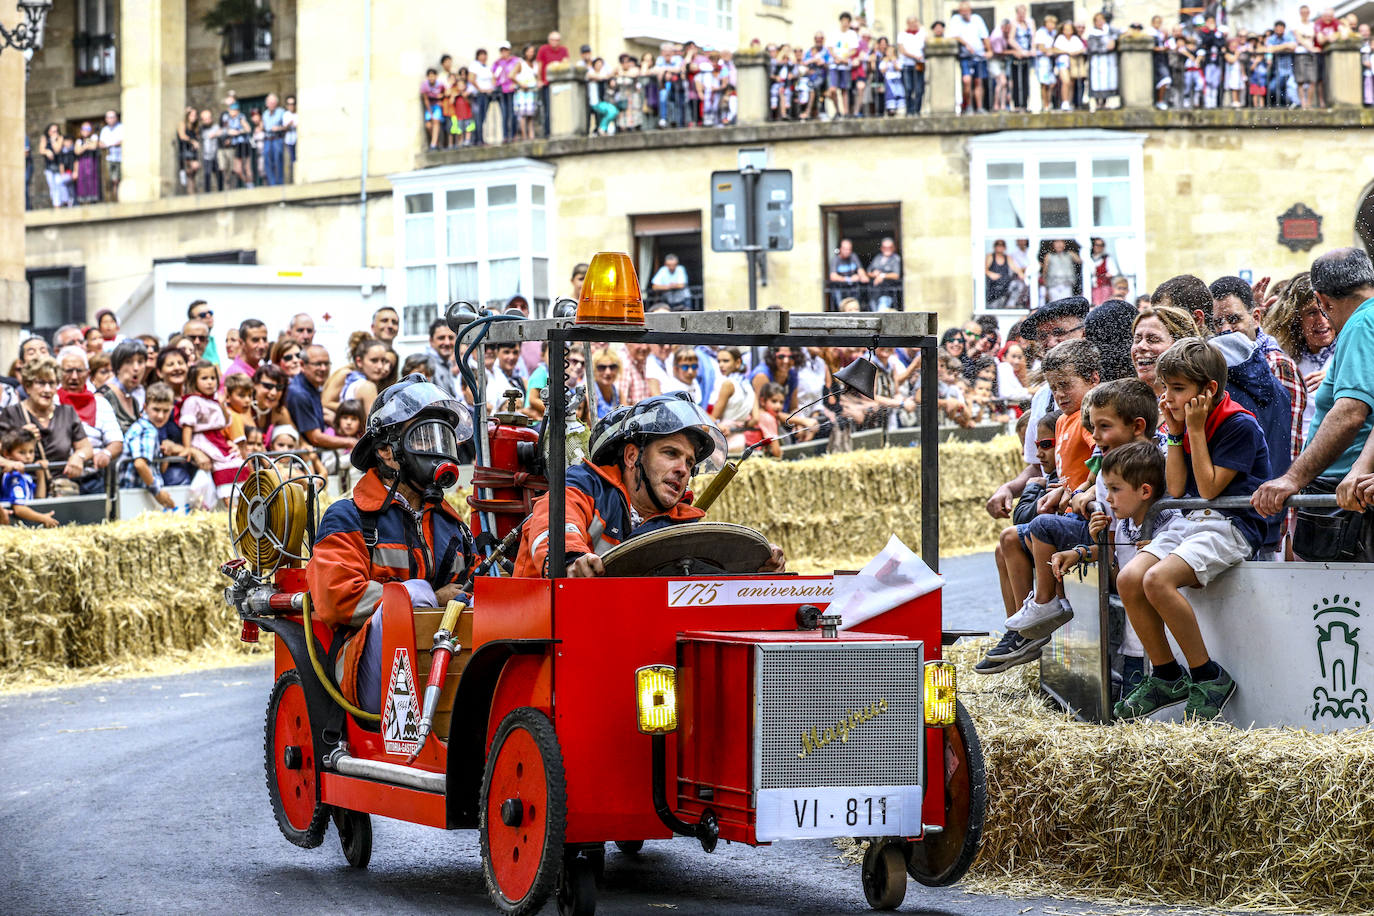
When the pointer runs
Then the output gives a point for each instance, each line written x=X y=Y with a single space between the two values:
x=404 y=401
x=657 y=416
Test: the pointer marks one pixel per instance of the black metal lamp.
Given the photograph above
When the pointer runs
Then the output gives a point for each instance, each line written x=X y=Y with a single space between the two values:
x=28 y=34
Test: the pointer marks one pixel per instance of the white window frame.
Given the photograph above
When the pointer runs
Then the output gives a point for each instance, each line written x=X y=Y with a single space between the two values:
x=710 y=23
x=1030 y=149
x=525 y=175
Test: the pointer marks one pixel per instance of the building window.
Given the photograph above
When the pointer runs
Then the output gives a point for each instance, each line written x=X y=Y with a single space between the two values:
x=57 y=296
x=710 y=23
x=475 y=233
x=864 y=226
x=245 y=30
x=1056 y=215
x=658 y=235
x=94 y=42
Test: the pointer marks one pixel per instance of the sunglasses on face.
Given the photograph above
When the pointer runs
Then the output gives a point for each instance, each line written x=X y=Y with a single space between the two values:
x=271 y=386
x=973 y=335
x=1044 y=444
x=607 y=367
x=287 y=357
x=205 y=314
x=689 y=365
x=197 y=338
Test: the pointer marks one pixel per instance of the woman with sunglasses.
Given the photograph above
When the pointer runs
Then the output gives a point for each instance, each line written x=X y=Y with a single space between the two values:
x=575 y=363
x=286 y=354
x=605 y=374
x=269 y=399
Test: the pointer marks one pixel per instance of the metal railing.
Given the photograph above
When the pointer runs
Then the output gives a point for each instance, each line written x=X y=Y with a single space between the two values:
x=245 y=42
x=1188 y=504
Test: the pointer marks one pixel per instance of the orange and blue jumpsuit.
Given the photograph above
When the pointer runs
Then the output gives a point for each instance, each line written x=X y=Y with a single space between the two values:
x=597 y=517
x=346 y=572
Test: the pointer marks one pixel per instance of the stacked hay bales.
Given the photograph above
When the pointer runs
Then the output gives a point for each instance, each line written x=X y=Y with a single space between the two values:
x=846 y=506
x=1149 y=812
x=84 y=595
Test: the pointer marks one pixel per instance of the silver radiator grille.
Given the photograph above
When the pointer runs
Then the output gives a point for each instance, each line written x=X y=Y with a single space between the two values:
x=806 y=695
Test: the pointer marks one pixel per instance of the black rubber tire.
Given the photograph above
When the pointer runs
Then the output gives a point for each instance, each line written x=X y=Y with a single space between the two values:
x=355 y=836
x=884 y=875
x=550 y=867
x=941 y=859
x=312 y=834
x=630 y=847
x=577 y=887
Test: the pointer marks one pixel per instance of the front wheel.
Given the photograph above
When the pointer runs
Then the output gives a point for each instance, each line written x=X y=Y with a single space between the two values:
x=940 y=859
x=355 y=836
x=523 y=813
x=293 y=784
x=884 y=875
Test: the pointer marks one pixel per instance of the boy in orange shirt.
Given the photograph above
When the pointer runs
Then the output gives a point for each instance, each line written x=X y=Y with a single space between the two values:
x=1071 y=370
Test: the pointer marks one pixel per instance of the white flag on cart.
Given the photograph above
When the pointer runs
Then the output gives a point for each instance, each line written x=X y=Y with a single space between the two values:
x=892 y=578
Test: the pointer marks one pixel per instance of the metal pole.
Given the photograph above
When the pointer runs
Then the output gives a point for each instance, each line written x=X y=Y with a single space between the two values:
x=751 y=178
x=930 y=457
x=555 y=473
x=367 y=101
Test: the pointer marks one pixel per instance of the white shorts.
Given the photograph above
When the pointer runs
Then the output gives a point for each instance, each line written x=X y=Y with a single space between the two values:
x=1208 y=543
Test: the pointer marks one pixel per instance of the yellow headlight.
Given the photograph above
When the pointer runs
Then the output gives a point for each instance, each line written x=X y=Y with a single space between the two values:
x=939 y=693
x=656 y=699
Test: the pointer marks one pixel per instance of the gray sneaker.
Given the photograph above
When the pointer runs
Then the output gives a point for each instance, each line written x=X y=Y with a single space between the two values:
x=1044 y=619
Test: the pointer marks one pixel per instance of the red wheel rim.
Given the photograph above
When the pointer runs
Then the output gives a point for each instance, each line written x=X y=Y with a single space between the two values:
x=516 y=851
x=296 y=787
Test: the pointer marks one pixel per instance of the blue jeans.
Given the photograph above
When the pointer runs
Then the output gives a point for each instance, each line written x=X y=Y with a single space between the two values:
x=480 y=102
x=273 y=149
x=914 y=82
x=507 y=102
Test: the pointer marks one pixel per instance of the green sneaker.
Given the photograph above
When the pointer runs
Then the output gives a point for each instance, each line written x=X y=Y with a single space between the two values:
x=1206 y=699
x=1152 y=694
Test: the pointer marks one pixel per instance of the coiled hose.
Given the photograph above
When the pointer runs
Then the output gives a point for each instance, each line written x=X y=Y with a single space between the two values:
x=324 y=678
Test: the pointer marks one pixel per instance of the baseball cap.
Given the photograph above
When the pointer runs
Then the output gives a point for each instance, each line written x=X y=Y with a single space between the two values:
x=586 y=49
x=503 y=46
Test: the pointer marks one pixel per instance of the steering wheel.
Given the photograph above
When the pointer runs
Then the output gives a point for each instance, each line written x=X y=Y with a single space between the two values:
x=690 y=549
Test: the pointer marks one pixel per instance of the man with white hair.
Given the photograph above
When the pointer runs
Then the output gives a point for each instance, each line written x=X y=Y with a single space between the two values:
x=302 y=329
x=96 y=414
x=66 y=336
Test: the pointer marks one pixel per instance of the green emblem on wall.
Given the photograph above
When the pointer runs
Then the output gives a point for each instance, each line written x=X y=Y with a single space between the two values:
x=1338 y=649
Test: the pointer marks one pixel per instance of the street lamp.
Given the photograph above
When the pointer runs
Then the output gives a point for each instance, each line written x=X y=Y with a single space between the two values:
x=27 y=35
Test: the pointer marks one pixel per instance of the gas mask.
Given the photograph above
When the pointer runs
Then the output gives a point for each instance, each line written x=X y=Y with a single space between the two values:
x=428 y=455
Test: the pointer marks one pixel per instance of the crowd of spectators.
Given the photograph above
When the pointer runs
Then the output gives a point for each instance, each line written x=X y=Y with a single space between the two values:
x=1224 y=390
x=237 y=148
x=1017 y=64
x=80 y=169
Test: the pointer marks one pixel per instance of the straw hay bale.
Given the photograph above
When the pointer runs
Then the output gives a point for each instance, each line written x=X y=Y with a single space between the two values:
x=1148 y=812
x=849 y=504
x=85 y=595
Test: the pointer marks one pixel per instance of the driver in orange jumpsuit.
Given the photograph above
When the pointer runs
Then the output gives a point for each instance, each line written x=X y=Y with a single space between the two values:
x=643 y=458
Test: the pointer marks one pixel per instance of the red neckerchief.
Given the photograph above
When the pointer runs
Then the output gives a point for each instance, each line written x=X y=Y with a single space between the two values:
x=83 y=402
x=1223 y=411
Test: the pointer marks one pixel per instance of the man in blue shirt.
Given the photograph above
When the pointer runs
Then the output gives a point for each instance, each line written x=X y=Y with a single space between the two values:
x=274 y=141
x=670 y=283
x=1339 y=449
x=1282 y=86
x=304 y=404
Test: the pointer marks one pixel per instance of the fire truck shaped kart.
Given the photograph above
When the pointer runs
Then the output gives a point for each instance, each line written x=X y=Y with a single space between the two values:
x=672 y=697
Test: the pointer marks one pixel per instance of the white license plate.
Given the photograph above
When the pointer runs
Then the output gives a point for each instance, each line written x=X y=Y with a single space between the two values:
x=789 y=814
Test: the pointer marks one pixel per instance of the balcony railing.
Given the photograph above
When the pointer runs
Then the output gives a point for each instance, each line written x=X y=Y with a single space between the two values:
x=95 y=59
x=246 y=43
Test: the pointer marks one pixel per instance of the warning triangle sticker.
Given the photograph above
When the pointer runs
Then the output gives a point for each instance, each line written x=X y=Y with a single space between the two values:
x=401 y=715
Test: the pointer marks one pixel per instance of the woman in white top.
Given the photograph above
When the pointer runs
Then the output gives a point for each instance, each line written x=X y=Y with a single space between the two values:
x=1067 y=46
x=1044 y=60
x=733 y=404
x=1012 y=373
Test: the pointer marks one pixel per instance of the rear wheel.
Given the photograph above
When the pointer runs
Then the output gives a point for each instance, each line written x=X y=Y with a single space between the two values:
x=523 y=811
x=293 y=784
x=940 y=859
x=630 y=847
x=355 y=836
x=577 y=886
x=884 y=875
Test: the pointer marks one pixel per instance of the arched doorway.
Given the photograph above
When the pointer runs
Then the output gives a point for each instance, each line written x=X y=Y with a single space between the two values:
x=1364 y=219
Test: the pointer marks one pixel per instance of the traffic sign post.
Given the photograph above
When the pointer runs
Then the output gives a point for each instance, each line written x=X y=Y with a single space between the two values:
x=751 y=211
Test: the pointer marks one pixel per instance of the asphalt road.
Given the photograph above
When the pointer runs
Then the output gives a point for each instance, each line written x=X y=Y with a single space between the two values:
x=147 y=796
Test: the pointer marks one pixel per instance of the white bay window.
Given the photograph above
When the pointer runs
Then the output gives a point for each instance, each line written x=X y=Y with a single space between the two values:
x=1045 y=198
x=478 y=233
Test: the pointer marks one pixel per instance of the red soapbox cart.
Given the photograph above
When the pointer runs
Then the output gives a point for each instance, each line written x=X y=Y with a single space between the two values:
x=670 y=697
